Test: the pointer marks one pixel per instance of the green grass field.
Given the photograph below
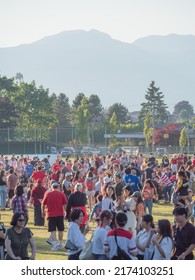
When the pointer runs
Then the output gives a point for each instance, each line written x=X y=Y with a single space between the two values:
x=41 y=234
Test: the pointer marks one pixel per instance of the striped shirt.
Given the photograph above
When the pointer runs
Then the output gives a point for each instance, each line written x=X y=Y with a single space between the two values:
x=125 y=241
x=164 y=179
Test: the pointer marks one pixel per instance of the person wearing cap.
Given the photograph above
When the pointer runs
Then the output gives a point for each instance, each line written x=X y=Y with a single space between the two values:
x=36 y=197
x=55 y=203
x=67 y=184
x=183 y=236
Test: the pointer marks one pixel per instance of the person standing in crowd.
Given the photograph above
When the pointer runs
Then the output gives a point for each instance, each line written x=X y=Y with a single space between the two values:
x=183 y=236
x=167 y=186
x=129 y=206
x=118 y=186
x=125 y=239
x=38 y=174
x=100 y=234
x=97 y=209
x=12 y=180
x=19 y=203
x=55 y=203
x=139 y=210
x=74 y=235
x=3 y=189
x=148 y=193
x=163 y=243
x=90 y=189
x=36 y=197
x=18 y=238
x=2 y=239
x=145 y=252
x=67 y=184
x=78 y=199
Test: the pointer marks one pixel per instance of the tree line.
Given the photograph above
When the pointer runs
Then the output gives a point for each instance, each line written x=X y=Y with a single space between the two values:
x=24 y=106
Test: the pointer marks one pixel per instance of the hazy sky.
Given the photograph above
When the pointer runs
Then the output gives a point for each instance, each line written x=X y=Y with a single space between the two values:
x=25 y=21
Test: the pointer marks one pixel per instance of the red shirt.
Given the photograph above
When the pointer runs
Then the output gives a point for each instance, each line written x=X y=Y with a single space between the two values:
x=38 y=194
x=38 y=175
x=54 y=201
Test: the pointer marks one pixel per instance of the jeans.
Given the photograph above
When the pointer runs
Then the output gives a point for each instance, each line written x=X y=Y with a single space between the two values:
x=167 y=193
x=3 y=195
x=148 y=203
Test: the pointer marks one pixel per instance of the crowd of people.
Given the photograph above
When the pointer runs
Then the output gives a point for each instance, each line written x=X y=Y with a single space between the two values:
x=115 y=192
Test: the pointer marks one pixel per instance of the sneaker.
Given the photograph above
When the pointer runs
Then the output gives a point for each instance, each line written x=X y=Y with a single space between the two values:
x=49 y=241
x=60 y=246
x=55 y=248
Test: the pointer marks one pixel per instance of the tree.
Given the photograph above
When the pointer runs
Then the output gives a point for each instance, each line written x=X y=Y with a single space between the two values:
x=8 y=114
x=154 y=104
x=95 y=109
x=184 y=115
x=183 y=105
x=7 y=85
x=19 y=78
x=77 y=101
x=34 y=108
x=121 y=112
x=81 y=118
x=148 y=130
x=61 y=109
x=113 y=124
x=183 y=138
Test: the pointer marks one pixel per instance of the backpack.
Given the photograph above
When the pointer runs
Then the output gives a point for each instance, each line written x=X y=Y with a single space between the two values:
x=121 y=254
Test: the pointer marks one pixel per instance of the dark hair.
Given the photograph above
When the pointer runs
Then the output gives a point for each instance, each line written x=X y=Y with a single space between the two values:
x=100 y=197
x=180 y=211
x=19 y=190
x=148 y=219
x=150 y=182
x=165 y=228
x=15 y=218
x=121 y=219
x=2 y=173
x=105 y=214
x=75 y=213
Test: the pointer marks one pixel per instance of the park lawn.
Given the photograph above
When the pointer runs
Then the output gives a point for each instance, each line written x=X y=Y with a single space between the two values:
x=41 y=234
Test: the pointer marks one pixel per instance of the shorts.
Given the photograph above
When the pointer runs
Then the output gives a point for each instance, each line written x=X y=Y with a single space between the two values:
x=89 y=193
x=56 y=223
x=10 y=193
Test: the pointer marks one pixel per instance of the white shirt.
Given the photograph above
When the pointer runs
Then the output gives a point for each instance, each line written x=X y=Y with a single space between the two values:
x=75 y=236
x=167 y=245
x=98 y=240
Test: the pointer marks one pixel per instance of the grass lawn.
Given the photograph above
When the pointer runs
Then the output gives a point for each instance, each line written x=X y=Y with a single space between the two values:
x=41 y=234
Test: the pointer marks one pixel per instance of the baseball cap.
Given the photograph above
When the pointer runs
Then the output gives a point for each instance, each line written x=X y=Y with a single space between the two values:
x=106 y=180
x=68 y=174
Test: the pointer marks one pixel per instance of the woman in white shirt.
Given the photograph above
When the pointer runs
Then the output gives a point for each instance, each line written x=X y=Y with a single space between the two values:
x=74 y=235
x=145 y=248
x=163 y=243
x=100 y=234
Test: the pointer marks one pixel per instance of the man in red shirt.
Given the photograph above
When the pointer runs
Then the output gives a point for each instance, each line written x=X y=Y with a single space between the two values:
x=38 y=175
x=55 y=203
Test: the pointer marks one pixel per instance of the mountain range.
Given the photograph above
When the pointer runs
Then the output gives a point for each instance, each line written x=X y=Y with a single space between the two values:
x=94 y=63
